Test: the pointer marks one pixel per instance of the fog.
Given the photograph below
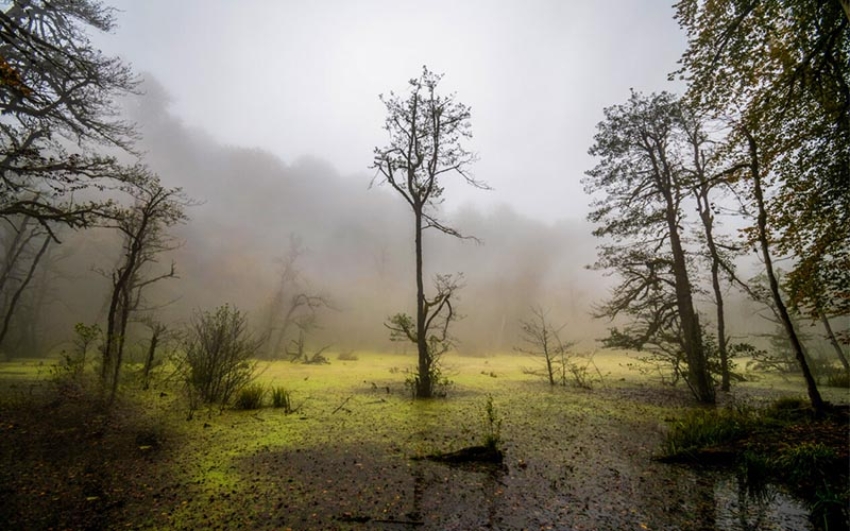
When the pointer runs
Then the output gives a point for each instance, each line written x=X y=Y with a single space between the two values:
x=267 y=114
x=303 y=78
x=355 y=247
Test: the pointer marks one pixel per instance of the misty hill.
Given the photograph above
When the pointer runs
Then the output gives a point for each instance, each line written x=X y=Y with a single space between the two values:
x=357 y=241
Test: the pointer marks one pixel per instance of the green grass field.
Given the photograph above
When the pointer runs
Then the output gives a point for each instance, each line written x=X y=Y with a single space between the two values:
x=574 y=457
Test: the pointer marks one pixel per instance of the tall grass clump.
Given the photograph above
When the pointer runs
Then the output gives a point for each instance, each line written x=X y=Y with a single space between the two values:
x=250 y=397
x=788 y=409
x=281 y=399
x=219 y=354
x=704 y=428
x=493 y=425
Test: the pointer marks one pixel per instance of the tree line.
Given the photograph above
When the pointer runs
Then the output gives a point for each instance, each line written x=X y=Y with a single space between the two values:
x=763 y=129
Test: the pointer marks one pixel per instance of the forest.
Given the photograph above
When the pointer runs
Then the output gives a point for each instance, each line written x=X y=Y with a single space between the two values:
x=196 y=334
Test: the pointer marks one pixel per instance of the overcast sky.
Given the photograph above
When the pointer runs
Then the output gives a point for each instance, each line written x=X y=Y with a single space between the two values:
x=303 y=77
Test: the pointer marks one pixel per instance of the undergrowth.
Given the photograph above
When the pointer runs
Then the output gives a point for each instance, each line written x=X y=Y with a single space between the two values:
x=779 y=444
x=703 y=428
x=250 y=397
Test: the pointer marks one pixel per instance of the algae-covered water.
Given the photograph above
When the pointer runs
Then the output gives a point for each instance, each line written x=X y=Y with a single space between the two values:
x=348 y=457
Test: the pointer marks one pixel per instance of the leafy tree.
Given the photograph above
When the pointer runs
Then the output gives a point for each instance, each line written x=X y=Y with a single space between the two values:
x=643 y=182
x=426 y=133
x=57 y=98
x=777 y=71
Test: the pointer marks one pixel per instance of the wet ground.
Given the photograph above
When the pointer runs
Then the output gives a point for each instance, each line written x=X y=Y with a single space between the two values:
x=349 y=458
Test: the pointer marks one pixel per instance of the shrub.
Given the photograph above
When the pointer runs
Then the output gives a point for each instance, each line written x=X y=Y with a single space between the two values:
x=282 y=399
x=582 y=376
x=788 y=408
x=219 y=352
x=250 y=397
x=838 y=378
x=703 y=428
x=493 y=425
x=348 y=355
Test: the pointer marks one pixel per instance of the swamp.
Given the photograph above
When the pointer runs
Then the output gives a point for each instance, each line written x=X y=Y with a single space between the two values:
x=348 y=454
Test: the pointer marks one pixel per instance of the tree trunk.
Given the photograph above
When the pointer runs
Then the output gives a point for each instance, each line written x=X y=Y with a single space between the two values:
x=668 y=186
x=111 y=333
x=781 y=309
x=424 y=388
x=722 y=343
x=831 y=335
x=146 y=373
x=17 y=296
x=120 y=340
x=698 y=375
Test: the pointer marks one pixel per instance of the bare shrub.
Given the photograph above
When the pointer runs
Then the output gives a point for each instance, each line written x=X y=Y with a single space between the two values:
x=219 y=354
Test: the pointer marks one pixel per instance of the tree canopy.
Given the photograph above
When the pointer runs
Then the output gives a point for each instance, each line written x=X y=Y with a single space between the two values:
x=780 y=70
x=57 y=96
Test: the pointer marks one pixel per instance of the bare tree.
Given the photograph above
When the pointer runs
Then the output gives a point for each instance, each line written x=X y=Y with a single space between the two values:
x=293 y=304
x=426 y=134
x=143 y=227
x=24 y=245
x=440 y=314
x=57 y=98
x=542 y=339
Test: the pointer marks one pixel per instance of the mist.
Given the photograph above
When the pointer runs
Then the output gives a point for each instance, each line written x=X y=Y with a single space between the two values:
x=354 y=247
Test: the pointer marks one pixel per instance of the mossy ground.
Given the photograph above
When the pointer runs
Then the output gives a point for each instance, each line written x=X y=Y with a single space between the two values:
x=345 y=459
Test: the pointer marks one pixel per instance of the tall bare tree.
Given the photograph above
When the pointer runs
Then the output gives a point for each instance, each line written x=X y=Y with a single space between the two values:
x=143 y=227
x=426 y=134
x=24 y=244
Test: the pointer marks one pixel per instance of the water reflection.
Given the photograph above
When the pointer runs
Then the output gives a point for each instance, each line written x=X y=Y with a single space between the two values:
x=683 y=499
x=740 y=508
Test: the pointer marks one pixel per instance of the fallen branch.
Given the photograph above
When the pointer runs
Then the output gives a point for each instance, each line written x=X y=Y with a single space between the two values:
x=341 y=405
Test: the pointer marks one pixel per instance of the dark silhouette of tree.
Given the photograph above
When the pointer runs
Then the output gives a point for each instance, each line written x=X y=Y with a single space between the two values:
x=293 y=304
x=777 y=72
x=706 y=180
x=643 y=183
x=144 y=227
x=426 y=133
x=543 y=340
x=57 y=98
x=24 y=244
x=761 y=235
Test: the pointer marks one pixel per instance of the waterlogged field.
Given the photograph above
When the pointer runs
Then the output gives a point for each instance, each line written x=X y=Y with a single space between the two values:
x=348 y=456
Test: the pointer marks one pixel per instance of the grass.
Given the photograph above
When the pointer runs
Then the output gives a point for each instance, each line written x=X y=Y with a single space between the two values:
x=282 y=399
x=250 y=397
x=349 y=406
x=706 y=428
